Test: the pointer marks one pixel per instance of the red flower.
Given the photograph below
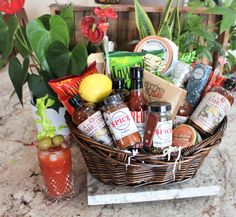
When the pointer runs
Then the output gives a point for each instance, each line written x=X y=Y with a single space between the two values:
x=103 y=26
x=89 y=27
x=11 y=6
x=105 y=13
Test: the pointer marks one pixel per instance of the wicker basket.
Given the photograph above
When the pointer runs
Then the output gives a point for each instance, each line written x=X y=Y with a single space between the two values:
x=113 y=166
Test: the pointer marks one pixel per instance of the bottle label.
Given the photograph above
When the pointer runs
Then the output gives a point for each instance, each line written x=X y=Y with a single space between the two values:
x=163 y=134
x=140 y=121
x=121 y=123
x=180 y=120
x=95 y=127
x=211 y=111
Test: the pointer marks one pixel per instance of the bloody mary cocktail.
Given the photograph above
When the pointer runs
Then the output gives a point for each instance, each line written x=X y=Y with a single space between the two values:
x=56 y=169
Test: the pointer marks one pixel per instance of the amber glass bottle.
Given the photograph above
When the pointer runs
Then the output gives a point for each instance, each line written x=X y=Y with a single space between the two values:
x=89 y=121
x=213 y=108
x=137 y=103
x=183 y=114
x=118 y=87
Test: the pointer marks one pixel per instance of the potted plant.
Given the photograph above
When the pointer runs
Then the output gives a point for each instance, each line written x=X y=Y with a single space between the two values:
x=39 y=41
x=46 y=51
x=188 y=33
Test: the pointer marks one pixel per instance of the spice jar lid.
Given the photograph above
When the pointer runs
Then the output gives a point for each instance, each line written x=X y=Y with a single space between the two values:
x=136 y=73
x=112 y=99
x=159 y=107
x=75 y=101
x=117 y=83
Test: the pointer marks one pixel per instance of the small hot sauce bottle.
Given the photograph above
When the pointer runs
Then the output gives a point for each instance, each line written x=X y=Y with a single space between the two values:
x=137 y=103
x=89 y=121
x=118 y=87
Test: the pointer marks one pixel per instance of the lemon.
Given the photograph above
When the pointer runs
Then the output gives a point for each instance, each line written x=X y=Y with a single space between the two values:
x=95 y=88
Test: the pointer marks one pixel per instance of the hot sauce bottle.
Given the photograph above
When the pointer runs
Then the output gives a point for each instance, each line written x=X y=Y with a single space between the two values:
x=137 y=103
x=118 y=87
x=213 y=108
x=183 y=114
x=89 y=121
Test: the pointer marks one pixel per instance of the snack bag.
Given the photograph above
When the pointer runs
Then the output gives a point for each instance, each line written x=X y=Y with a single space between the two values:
x=158 y=89
x=68 y=86
x=122 y=61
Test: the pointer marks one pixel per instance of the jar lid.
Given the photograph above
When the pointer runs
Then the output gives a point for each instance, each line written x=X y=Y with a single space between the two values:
x=75 y=101
x=118 y=83
x=112 y=99
x=136 y=73
x=159 y=107
x=229 y=84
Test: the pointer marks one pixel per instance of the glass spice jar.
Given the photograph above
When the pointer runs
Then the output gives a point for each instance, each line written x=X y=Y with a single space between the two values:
x=120 y=122
x=89 y=121
x=158 y=132
x=213 y=108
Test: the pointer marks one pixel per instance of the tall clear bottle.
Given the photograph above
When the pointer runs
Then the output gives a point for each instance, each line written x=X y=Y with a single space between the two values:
x=137 y=102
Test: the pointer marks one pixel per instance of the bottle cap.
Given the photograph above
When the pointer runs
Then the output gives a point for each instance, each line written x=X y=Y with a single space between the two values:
x=136 y=73
x=112 y=99
x=229 y=84
x=75 y=101
x=118 y=83
x=159 y=107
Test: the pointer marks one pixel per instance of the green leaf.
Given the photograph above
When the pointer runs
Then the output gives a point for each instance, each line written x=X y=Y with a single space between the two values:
x=7 y=32
x=63 y=62
x=24 y=49
x=165 y=16
x=193 y=21
x=38 y=86
x=1 y=63
x=18 y=74
x=50 y=102
x=166 y=32
x=196 y=4
x=227 y=21
x=40 y=38
x=143 y=22
x=231 y=59
x=218 y=10
x=204 y=52
x=78 y=60
x=202 y=33
x=58 y=58
x=48 y=130
x=68 y=15
x=45 y=19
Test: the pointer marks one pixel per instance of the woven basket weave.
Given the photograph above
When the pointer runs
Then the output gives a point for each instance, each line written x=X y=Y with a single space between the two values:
x=113 y=166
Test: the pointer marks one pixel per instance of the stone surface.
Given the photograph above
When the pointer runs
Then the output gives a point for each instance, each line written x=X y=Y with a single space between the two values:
x=20 y=182
x=99 y=193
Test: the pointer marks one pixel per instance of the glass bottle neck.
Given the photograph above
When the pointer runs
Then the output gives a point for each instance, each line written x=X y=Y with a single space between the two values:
x=136 y=85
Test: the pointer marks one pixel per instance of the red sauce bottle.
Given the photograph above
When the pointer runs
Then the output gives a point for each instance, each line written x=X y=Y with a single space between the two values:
x=137 y=103
x=118 y=87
